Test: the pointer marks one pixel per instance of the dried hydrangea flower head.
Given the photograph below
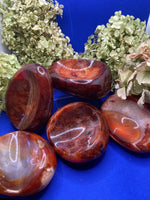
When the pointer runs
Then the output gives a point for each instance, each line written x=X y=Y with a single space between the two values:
x=134 y=79
x=8 y=67
x=112 y=43
x=31 y=32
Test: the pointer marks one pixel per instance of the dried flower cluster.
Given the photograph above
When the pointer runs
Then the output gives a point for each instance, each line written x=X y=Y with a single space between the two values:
x=31 y=32
x=9 y=65
x=112 y=43
x=134 y=79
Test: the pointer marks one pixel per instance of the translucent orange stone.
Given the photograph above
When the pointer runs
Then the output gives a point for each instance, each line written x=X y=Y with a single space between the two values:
x=122 y=126
x=88 y=79
x=27 y=163
x=129 y=124
x=29 y=97
x=78 y=132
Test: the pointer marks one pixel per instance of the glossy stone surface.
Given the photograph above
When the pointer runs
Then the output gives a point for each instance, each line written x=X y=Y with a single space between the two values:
x=78 y=132
x=27 y=163
x=29 y=97
x=129 y=124
x=85 y=78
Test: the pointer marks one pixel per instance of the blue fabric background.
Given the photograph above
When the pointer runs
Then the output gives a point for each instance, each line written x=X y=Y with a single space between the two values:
x=120 y=174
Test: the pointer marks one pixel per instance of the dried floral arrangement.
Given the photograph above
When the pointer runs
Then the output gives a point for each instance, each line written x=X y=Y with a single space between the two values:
x=32 y=34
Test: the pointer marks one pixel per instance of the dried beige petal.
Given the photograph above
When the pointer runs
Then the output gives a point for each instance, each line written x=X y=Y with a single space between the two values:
x=121 y=92
x=145 y=98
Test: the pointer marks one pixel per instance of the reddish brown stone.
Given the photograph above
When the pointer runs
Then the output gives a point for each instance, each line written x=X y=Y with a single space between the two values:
x=29 y=97
x=85 y=78
x=78 y=132
x=27 y=163
x=129 y=124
